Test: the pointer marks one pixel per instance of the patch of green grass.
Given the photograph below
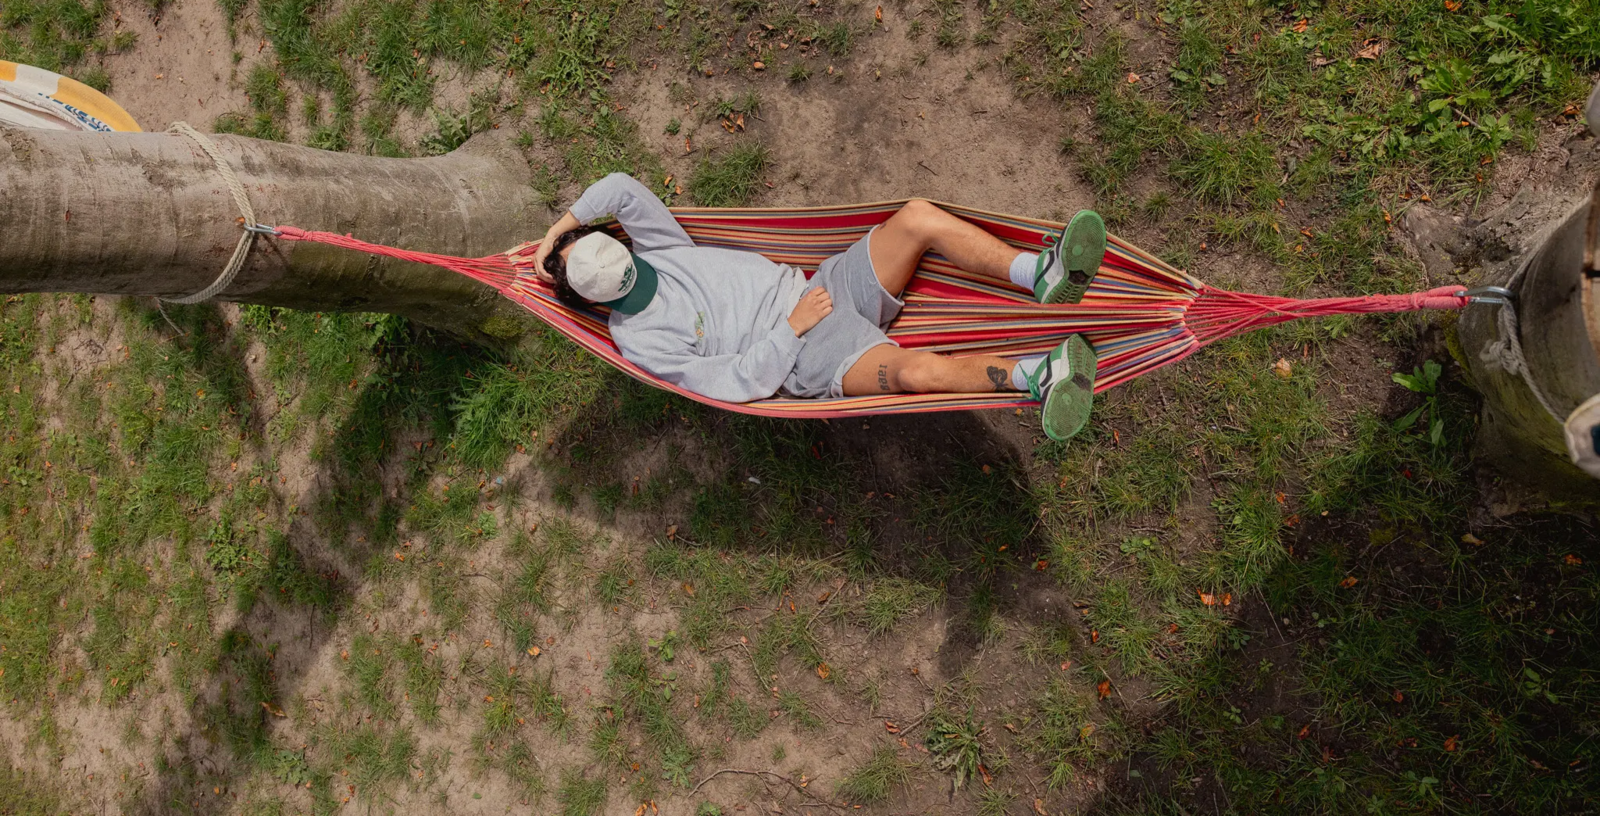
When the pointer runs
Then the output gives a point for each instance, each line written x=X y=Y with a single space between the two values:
x=783 y=635
x=951 y=33
x=873 y=780
x=1065 y=733
x=522 y=598
x=731 y=179
x=645 y=698
x=579 y=795
x=613 y=583
x=371 y=758
x=888 y=601
x=453 y=130
x=423 y=679
x=50 y=34
x=269 y=103
x=837 y=38
x=368 y=671
x=23 y=794
x=1223 y=170
x=119 y=649
x=794 y=707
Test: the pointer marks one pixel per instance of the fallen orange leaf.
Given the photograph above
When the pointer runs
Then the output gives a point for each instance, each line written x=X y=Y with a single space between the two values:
x=1301 y=26
x=877 y=14
x=823 y=671
x=1573 y=560
x=1104 y=688
x=1348 y=582
x=1452 y=743
x=1305 y=732
x=1207 y=598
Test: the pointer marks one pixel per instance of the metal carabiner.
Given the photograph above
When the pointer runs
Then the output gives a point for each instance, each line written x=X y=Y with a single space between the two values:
x=262 y=229
x=1495 y=295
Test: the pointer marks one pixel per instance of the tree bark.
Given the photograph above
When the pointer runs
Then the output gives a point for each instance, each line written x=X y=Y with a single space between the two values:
x=1534 y=244
x=150 y=214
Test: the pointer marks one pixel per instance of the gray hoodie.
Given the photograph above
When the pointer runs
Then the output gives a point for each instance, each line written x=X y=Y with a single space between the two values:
x=718 y=325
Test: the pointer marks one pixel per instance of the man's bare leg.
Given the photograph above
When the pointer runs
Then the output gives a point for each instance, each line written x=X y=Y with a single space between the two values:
x=897 y=246
x=1062 y=381
x=889 y=369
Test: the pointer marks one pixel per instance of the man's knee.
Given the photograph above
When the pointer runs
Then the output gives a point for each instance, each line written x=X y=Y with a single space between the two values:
x=920 y=216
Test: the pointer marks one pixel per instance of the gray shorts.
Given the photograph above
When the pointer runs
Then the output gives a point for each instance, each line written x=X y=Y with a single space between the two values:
x=862 y=311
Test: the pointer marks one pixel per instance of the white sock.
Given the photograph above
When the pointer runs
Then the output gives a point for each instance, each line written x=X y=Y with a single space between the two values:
x=1022 y=270
x=1019 y=373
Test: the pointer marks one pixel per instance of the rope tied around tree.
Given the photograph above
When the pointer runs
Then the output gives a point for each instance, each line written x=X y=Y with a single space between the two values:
x=241 y=251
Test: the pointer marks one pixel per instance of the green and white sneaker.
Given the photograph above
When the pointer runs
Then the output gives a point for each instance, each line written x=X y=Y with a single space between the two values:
x=1064 y=386
x=1065 y=270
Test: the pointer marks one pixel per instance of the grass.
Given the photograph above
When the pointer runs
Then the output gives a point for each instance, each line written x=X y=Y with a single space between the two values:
x=873 y=780
x=580 y=795
x=729 y=180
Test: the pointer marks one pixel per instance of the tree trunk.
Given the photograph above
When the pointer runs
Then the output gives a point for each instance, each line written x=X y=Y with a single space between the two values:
x=150 y=214
x=1534 y=245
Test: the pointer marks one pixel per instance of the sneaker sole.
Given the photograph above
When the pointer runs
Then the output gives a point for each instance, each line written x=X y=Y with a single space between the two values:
x=1066 y=408
x=1082 y=247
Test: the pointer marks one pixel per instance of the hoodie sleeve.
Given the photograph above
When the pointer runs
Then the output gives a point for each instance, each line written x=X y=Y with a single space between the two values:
x=646 y=220
x=755 y=374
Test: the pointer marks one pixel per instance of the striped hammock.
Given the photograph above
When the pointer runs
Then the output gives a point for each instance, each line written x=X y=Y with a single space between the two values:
x=1140 y=314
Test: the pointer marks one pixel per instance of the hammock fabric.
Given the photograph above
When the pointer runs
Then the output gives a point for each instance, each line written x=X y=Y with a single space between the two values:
x=1140 y=314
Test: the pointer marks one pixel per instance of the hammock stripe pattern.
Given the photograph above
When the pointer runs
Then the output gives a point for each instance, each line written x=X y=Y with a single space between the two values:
x=1140 y=314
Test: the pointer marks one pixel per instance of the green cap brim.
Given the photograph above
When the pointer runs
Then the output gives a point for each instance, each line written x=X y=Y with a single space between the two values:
x=643 y=291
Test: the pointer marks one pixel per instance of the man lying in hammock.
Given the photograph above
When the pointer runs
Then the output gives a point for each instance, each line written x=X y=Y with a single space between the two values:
x=734 y=326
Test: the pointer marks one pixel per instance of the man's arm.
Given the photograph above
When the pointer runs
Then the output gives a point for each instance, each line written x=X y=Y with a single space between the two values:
x=753 y=375
x=646 y=220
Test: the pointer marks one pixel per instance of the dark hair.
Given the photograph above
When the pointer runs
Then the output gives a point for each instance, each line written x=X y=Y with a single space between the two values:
x=556 y=265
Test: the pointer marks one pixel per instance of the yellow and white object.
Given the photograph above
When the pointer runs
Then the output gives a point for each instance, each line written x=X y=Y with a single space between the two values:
x=35 y=98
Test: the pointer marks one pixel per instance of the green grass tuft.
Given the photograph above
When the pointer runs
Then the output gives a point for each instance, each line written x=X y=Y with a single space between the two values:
x=731 y=179
x=872 y=781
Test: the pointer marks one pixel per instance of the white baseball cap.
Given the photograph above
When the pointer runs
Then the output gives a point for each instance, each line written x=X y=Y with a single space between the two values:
x=601 y=269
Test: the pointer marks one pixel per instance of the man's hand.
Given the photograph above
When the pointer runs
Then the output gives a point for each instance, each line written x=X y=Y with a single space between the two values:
x=565 y=224
x=813 y=306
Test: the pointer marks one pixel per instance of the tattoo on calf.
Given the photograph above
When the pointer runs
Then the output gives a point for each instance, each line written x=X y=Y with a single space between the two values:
x=998 y=376
x=883 y=377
